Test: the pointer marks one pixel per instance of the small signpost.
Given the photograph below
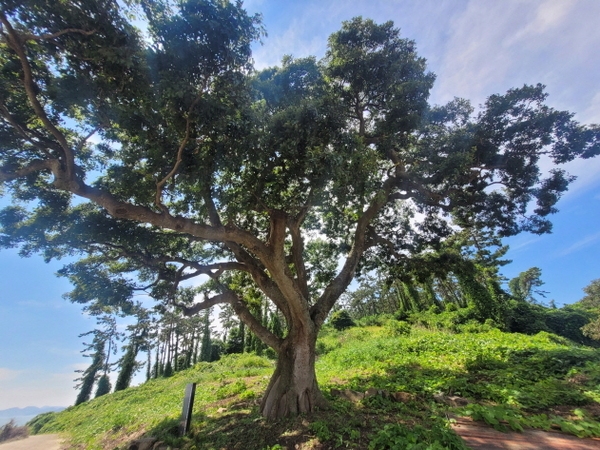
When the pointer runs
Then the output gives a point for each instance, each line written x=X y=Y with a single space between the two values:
x=188 y=406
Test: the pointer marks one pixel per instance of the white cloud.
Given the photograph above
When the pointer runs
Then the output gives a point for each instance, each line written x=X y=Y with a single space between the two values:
x=549 y=16
x=581 y=244
x=493 y=46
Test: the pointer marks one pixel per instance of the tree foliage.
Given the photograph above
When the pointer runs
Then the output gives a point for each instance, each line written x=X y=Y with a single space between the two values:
x=90 y=375
x=591 y=301
x=160 y=158
x=104 y=386
x=523 y=286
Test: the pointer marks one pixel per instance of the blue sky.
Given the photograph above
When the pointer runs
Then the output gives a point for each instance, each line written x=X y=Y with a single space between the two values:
x=476 y=48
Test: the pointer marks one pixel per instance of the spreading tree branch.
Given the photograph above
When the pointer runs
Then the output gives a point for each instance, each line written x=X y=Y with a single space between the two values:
x=15 y=42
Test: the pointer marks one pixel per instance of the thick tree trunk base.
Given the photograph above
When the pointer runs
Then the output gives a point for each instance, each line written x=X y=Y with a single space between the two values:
x=293 y=388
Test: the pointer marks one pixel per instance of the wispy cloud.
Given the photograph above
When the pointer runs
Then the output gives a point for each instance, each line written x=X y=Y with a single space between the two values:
x=524 y=244
x=581 y=244
x=46 y=304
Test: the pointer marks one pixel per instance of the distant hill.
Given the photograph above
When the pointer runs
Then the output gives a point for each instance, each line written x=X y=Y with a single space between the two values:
x=28 y=411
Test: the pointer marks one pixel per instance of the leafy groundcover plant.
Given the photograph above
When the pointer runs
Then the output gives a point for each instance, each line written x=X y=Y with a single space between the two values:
x=513 y=381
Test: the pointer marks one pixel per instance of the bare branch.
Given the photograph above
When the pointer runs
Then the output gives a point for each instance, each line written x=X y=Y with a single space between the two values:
x=86 y=138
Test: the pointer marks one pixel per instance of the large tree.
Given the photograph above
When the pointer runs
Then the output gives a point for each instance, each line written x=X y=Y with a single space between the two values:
x=159 y=158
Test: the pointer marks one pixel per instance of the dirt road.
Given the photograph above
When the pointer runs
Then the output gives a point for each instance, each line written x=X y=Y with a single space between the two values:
x=482 y=437
x=39 y=442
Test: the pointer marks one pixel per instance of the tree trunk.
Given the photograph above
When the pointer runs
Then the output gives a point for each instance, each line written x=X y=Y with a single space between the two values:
x=293 y=388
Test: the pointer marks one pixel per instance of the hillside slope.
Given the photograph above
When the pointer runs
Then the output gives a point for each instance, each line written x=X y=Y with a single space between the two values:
x=509 y=380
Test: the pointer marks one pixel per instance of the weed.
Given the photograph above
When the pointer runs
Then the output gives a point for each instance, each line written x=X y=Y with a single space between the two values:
x=321 y=429
x=231 y=389
x=503 y=417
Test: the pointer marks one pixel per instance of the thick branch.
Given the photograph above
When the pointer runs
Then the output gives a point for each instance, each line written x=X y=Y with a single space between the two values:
x=15 y=42
x=338 y=285
x=297 y=255
x=257 y=328
x=41 y=37
x=241 y=310
x=37 y=165
x=207 y=303
x=253 y=267
x=277 y=235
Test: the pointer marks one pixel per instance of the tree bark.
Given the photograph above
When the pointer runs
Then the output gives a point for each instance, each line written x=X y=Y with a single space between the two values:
x=293 y=389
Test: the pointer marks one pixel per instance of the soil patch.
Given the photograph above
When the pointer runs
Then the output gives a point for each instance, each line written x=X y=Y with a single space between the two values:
x=482 y=437
x=39 y=442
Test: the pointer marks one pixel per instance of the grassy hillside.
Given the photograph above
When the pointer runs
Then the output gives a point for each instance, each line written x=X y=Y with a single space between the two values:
x=511 y=380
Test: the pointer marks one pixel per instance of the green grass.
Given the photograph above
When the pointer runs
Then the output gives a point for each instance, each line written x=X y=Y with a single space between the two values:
x=513 y=381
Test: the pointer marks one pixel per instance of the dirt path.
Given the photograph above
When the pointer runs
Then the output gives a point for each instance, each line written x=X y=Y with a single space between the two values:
x=482 y=437
x=39 y=442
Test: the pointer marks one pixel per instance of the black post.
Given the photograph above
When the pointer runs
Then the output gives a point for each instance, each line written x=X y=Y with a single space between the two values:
x=188 y=406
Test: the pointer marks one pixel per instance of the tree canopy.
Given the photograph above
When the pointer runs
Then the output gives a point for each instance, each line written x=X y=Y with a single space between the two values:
x=158 y=156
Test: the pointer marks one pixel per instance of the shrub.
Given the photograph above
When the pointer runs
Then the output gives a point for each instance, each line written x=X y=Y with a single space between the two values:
x=394 y=328
x=568 y=322
x=450 y=319
x=39 y=421
x=340 y=320
x=12 y=431
x=231 y=389
x=378 y=320
x=526 y=318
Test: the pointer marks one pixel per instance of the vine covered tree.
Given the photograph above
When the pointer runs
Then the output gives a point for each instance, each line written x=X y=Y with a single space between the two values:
x=102 y=347
x=156 y=159
x=526 y=284
x=90 y=375
x=591 y=301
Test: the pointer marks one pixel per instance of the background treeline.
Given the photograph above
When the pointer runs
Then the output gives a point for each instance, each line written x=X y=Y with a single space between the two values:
x=163 y=341
x=458 y=288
